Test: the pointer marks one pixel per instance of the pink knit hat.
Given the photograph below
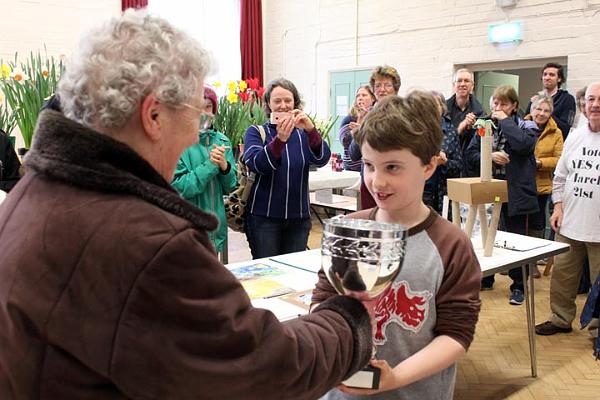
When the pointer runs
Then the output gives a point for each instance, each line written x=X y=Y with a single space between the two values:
x=210 y=94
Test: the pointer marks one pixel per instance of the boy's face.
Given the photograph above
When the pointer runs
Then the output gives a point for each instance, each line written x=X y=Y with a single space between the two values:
x=395 y=178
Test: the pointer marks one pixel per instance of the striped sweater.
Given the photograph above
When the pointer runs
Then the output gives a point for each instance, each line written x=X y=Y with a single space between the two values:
x=281 y=186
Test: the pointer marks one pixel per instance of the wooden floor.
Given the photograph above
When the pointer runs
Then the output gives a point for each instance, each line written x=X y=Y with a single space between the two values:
x=497 y=364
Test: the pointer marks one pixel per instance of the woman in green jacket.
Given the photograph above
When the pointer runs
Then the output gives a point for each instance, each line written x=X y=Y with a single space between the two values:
x=206 y=172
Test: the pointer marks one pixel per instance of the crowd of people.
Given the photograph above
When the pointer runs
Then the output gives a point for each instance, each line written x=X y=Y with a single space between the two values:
x=119 y=286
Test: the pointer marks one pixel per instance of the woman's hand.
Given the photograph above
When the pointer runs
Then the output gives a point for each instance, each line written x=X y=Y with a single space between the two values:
x=499 y=115
x=217 y=157
x=285 y=128
x=386 y=381
x=302 y=121
x=500 y=158
x=353 y=127
x=442 y=159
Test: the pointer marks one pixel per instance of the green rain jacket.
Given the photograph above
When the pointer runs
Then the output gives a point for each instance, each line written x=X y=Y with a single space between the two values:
x=203 y=184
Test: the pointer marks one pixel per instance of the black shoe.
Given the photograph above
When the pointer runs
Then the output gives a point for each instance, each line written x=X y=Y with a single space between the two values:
x=548 y=328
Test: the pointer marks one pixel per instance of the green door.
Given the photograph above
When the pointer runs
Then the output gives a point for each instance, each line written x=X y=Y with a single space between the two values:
x=343 y=86
x=488 y=81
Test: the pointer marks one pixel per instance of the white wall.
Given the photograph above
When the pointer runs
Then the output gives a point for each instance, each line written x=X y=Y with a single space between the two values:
x=424 y=40
x=29 y=25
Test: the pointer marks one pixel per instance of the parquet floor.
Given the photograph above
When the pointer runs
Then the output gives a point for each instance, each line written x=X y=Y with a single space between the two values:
x=497 y=364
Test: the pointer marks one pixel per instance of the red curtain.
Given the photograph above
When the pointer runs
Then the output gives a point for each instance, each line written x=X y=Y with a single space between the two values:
x=125 y=4
x=251 y=39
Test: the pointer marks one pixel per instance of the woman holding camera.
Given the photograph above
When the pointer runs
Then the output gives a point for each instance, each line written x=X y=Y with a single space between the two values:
x=514 y=161
x=278 y=210
x=206 y=171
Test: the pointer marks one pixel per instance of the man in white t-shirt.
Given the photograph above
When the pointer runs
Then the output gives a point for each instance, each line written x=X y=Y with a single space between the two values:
x=576 y=217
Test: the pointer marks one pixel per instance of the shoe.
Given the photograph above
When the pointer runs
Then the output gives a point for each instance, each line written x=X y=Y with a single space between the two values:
x=516 y=297
x=548 y=328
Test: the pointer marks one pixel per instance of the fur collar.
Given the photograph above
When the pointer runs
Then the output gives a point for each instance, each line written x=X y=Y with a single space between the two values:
x=67 y=151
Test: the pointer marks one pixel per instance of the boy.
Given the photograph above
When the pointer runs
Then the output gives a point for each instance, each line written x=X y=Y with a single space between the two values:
x=429 y=322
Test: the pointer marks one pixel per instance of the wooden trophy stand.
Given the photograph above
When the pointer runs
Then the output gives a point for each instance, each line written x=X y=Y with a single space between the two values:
x=477 y=192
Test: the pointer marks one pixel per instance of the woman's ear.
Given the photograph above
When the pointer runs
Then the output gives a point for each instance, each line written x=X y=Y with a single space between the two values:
x=150 y=114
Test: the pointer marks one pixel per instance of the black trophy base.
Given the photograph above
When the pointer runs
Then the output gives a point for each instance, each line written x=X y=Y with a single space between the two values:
x=366 y=378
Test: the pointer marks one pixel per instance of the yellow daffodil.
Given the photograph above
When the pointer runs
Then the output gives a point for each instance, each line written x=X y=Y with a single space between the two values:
x=217 y=84
x=5 y=71
x=232 y=97
x=45 y=72
x=243 y=86
x=231 y=86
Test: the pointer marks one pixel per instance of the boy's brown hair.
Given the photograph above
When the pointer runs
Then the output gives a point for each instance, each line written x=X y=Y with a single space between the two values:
x=410 y=122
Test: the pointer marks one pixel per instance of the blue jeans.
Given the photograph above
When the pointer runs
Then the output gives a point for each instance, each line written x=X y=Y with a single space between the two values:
x=269 y=237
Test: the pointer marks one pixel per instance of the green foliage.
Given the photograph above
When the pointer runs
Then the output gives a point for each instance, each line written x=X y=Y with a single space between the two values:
x=324 y=126
x=234 y=118
x=7 y=118
x=29 y=85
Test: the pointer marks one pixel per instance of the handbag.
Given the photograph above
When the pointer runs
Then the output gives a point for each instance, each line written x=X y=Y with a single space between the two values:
x=235 y=202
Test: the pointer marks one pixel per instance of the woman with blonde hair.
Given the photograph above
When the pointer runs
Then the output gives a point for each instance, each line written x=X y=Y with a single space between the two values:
x=548 y=149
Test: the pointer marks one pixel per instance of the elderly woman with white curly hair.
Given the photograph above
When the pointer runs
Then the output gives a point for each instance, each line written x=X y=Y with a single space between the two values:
x=109 y=286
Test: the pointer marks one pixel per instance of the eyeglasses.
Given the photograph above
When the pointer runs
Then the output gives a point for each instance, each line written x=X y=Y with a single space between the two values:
x=192 y=107
x=383 y=85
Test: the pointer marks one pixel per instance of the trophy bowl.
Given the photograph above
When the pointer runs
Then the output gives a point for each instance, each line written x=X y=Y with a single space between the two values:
x=362 y=255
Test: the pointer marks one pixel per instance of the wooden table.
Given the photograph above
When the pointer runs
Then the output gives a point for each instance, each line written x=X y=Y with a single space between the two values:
x=343 y=204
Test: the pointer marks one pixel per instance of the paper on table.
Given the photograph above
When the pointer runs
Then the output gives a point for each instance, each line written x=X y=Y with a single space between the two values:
x=283 y=310
x=523 y=243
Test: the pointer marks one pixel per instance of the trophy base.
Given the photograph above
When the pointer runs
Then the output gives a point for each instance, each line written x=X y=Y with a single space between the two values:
x=366 y=378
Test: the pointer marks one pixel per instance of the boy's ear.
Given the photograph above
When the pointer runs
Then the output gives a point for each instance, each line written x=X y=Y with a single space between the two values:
x=430 y=168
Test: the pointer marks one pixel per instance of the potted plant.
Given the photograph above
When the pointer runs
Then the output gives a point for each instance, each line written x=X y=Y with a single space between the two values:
x=239 y=108
x=26 y=86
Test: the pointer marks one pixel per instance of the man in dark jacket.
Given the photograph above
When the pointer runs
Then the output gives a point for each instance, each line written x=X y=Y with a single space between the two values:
x=564 y=103
x=109 y=285
x=9 y=163
x=463 y=107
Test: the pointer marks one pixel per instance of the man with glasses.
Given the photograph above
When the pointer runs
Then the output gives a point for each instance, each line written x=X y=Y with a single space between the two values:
x=463 y=107
x=576 y=197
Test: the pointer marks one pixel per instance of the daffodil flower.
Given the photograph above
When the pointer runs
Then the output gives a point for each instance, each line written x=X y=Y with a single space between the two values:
x=231 y=86
x=5 y=71
x=217 y=84
x=45 y=72
x=232 y=97
x=18 y=75
x=243 y=86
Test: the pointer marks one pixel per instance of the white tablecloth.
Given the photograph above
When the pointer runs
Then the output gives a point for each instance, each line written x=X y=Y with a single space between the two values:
x=325 y=178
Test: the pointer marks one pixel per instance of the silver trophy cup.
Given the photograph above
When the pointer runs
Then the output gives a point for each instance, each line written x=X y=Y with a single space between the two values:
x=362 y=255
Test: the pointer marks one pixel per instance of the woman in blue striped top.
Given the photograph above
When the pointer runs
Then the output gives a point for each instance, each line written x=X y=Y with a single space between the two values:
x=278 y=210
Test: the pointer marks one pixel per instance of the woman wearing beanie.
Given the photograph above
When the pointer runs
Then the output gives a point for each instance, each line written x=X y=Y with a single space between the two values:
x=206 y=171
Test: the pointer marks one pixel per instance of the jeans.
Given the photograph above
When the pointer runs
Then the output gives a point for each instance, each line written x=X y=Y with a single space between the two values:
x=537 y=221
x=269 y=237
x=514 y=224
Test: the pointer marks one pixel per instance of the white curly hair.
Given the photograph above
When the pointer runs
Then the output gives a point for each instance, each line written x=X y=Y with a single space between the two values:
x=117 y=65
